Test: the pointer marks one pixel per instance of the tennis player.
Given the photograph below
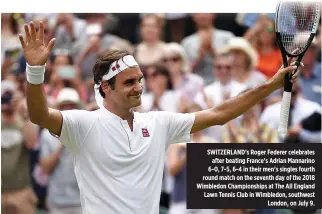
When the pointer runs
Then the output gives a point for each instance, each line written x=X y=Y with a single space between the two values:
x=118 y=153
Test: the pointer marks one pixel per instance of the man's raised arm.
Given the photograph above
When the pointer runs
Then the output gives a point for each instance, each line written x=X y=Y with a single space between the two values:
x=36 y=53
x=236 y=106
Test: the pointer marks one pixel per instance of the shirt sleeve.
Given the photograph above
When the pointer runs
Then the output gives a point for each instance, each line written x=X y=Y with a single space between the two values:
x=76 y=125
x=179 y=126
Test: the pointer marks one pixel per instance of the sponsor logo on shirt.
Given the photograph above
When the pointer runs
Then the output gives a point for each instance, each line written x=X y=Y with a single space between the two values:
x=145 y=132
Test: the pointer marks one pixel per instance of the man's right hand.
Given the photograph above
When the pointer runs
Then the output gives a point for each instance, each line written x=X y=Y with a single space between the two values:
x=35 y=50
x=36 y=53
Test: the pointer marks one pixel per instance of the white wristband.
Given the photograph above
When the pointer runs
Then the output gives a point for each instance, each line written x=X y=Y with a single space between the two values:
x=35 y=74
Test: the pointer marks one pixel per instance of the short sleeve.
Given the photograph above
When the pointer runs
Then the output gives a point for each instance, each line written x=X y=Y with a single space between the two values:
x=76 y=125
x=179 y=126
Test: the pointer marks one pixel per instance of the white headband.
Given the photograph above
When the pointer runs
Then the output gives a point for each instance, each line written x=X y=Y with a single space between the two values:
x=119 y=66
x=116 y=67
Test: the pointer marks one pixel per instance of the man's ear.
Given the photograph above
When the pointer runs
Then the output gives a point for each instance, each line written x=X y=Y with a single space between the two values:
x=106 y=87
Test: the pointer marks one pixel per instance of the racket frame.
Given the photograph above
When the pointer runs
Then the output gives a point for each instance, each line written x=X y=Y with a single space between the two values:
x=286 y=100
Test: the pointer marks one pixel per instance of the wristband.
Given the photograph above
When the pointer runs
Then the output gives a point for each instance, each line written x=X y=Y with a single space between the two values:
x=35 y=74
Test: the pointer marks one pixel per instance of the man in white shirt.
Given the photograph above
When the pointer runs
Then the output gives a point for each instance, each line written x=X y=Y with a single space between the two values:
x=118 y=153
x=201 y=47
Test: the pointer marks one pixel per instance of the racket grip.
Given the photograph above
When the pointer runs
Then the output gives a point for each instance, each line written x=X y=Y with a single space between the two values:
x=286 y=103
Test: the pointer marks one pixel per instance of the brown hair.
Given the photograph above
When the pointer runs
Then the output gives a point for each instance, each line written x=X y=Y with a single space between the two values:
x=103 y=64
x=161 y=69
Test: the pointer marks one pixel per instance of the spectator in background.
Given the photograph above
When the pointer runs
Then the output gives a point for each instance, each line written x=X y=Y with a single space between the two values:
x=300 y=110
x=151 y=48
x=263 y=39
x=86 y=53
x=183 y=80
x=177 y=23
x=55 y=160
x=65 y=74
x=245 y=61
x=223 y=88
x=67 y=30
x=201 y=46
x=250 y=19
x=160 y=95
x=127 y=26
x=248 y=129
x=18 y=136
x=95 y=42
x=60 y=57
x=310 y=76
x=10 y=47
x=177 y=164
x=9 y=32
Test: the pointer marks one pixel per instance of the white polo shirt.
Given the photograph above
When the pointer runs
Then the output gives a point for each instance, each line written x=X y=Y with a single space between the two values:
x=119 y=171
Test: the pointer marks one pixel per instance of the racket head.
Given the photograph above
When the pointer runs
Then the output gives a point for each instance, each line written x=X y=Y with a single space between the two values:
x=296 y=24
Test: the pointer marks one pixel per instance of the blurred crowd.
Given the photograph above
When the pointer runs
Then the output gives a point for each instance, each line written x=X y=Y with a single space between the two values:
x=190 y=62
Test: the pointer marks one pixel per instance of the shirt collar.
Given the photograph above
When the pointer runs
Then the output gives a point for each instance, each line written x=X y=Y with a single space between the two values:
x=113 y=116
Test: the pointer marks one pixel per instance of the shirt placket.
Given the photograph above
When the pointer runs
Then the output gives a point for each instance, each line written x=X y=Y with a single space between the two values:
x=128 y=132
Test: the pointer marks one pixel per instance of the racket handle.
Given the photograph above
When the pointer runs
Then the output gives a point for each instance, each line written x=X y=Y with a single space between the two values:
x=286 y=103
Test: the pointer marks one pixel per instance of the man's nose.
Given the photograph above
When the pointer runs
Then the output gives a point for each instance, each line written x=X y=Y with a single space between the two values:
x=138 y=88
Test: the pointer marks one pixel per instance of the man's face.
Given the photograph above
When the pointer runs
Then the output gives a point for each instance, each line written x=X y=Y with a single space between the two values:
x=150 y=29
x=240 y=59
x=222 y=68
x=7 y=107
x=128 y=89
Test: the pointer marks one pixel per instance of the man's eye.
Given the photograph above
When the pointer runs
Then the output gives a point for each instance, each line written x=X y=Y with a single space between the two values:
x=128 y=82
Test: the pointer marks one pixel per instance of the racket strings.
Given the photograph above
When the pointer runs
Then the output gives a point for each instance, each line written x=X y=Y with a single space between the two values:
x=296 y=22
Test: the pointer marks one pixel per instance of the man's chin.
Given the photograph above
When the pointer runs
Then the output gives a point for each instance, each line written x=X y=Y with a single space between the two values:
x=136 y=103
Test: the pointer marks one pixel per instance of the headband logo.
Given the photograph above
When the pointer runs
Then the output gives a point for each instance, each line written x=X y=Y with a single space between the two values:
x=117 y=66
x=120 y=65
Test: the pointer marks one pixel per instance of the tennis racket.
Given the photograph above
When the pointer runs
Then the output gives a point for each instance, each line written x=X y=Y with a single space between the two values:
x=296 y=25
